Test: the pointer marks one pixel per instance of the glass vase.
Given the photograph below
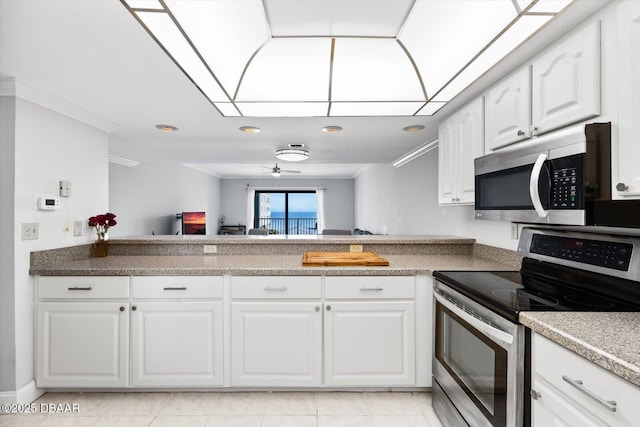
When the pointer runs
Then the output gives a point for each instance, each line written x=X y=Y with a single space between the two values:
x=101 y=247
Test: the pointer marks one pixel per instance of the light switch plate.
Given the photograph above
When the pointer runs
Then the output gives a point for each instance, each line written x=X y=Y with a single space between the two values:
x=210 y=249
x=77 y=228
x=355 y=248
x=65 y=188
x=30 y=230
x=514 y=231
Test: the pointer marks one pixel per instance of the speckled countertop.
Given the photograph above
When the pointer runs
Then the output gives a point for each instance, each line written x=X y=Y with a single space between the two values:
x=291 y=239
x=610 y=340
x=258 y=265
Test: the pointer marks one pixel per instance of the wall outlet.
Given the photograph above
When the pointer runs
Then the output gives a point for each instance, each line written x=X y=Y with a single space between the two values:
x=77 y=228
x=65 y=188
x=355 y=248
x=30 y=230
x=210 y=249
x=514 y=231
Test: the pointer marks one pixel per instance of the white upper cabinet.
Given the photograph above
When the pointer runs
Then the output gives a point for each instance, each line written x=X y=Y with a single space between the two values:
x=566 y=81
x=461 y=140
x=508 y=110
x=626 y=173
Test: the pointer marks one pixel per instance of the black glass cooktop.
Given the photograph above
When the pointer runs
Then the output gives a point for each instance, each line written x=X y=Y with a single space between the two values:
x=510 y=292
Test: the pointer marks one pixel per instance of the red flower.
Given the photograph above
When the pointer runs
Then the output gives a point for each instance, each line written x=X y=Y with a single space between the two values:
x=102 y=223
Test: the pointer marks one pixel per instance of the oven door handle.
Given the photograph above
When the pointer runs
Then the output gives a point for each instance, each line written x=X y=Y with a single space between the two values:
x=533 y=186
x=503 y=338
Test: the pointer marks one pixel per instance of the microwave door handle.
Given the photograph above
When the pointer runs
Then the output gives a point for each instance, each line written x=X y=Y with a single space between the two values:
x=502 y=338
x=533 y=186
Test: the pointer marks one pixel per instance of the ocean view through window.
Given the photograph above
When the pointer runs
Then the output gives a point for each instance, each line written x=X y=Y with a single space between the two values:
x=286 y=212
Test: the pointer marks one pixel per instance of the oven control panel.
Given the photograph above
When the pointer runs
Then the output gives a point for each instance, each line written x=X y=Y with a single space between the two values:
x=608 y=254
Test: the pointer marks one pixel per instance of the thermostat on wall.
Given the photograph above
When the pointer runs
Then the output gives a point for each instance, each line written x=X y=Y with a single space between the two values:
x=47 y=203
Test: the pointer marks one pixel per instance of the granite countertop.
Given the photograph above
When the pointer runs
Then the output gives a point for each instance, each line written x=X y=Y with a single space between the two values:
x=399 y=265
x=610 y=340
x=291 y=239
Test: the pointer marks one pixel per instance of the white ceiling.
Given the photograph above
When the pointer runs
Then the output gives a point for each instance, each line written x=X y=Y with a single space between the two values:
x=96 y=57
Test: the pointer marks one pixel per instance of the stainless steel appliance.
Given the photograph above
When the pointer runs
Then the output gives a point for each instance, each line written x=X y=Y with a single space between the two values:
x=560 y=178
x=480 y=362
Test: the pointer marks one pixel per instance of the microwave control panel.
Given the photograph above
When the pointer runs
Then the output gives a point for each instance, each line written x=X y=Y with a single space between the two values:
x=567 y=182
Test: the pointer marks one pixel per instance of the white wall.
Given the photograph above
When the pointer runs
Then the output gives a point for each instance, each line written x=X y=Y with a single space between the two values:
x=147 y=197
x=339 y=198
x=49 y=147
x=405 y=201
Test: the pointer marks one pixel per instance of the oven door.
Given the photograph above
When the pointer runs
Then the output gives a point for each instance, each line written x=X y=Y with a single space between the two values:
x=479 y=366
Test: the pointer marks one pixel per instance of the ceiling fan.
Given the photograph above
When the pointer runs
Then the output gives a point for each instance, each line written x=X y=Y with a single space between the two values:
x=276 y=171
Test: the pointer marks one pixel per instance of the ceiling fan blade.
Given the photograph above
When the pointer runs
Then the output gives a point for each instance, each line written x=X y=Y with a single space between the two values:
x=289 y=171
x=267 y=167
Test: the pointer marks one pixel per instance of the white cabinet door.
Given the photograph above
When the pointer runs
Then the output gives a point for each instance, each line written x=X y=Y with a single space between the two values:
x=83 y=344
x=177 y=344
x=470 y=135
x=461 y=140
x=369 y=343
x=446 y=160
x=552 y=409
x=566 y=81
x=276 y=344
x=508 y=111
x=627 y=172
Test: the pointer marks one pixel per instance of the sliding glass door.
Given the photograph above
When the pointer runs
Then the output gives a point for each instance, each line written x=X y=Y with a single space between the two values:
x=286 y=212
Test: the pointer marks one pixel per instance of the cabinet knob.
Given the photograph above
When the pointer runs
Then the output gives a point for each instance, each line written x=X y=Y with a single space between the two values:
x=535 y=395
x=520 y=132
x=622 y=186
x=328 y=308
x=121 y=308
x=317 y=308
x=134 y=308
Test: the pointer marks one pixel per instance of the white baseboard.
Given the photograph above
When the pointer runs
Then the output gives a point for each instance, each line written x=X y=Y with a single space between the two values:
x=26 y=394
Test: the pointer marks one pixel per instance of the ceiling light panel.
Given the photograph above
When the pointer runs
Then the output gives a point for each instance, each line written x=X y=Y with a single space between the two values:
x=523 y=4
x=380 y=18
x=162 y=27
x=513 y=37
x=144 y=4
x=227 y=109
x=288 y=70
x=225 y=32
x=431 y=108
x=350 y=109
x=283 y=109
x=373 y=70
x=549 y=6
x=456 y=31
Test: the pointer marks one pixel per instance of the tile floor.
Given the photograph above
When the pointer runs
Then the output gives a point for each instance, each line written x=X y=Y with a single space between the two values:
x=232 y=409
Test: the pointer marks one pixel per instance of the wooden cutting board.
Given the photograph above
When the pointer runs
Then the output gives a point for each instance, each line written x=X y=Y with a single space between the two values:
x=340 y=259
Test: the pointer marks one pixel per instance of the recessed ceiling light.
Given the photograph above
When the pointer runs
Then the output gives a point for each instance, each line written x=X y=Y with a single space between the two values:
x=413 y=128
x=331 y=129
x=292 y=154
x=167 y=128
x=250 y=129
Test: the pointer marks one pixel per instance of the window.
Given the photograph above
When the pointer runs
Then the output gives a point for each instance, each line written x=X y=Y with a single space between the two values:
x=286 y=212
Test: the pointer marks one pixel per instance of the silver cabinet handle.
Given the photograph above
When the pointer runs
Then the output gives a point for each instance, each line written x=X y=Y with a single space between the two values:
x=121 y=308
x=365 y=289
x=180 y=288
x=328 y=308
x=609 y=404
x=622 y=186
x=280 y=289
x=534 y=394
x=76 y=288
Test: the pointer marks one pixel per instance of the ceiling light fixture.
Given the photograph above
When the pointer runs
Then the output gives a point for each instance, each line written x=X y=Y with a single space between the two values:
x=414 y=154
x=331 y=129
x=292 y=154
x=272 y=58
x=413 y=128
x=167 y=128
x=250 y=129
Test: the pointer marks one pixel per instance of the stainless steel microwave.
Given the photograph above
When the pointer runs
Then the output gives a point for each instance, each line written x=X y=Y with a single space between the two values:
x=562 y=178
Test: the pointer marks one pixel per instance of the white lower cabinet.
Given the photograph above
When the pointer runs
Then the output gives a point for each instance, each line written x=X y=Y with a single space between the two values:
x=369 y=343
x=176 y=344
x=576 y=392
x=276 y=344
x=83 y=344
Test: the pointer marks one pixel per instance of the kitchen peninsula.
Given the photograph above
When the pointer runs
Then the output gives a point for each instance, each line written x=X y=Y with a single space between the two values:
x=159 y=312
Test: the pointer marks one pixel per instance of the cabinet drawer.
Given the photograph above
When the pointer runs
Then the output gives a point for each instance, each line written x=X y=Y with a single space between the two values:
x=168 y=287
x=83 y=287
x=602 y=384
x=276 y=287
x=370 y=287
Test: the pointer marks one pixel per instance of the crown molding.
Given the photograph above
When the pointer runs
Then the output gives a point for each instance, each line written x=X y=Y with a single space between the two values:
x=9 y=86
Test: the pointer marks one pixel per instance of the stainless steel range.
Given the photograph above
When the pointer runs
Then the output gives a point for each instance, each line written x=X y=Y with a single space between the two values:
x=480 y=362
